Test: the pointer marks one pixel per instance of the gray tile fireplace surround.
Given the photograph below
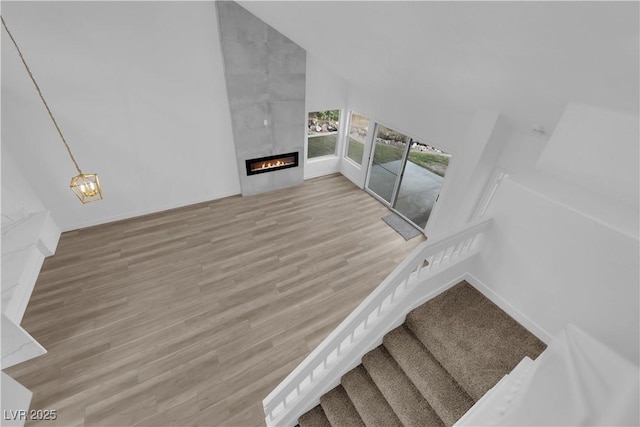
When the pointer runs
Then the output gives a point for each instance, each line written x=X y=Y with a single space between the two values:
x=266 y=76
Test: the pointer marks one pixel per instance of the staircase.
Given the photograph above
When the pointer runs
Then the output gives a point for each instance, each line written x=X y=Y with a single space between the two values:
x=429 y=371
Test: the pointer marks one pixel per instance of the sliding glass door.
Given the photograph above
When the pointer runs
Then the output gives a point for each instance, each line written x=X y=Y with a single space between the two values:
x=406 y=174
x=421 y=182
x=389 y=149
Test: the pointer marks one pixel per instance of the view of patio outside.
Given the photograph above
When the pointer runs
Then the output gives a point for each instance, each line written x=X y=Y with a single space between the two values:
x=423 y=155
x=416 y=183
x=420 y=183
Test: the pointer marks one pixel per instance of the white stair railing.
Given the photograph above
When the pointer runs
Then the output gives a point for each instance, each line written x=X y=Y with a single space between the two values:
x=335 y=354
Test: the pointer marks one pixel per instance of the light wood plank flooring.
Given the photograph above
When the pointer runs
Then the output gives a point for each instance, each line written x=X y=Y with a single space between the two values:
x=192 y=316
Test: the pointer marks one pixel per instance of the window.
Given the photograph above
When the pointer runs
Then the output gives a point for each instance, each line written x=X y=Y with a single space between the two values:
x=322 y=133
x=358 y=128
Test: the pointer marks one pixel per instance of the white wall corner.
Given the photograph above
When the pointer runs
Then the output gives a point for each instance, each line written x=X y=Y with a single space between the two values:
x=480 y=179
x=325 y=90
x=597 y=149
x=471 y=166
x=557 y=264
x=151 y=147
x=504 y=305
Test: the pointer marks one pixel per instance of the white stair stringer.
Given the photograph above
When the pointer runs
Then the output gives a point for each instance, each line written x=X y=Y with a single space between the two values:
x=494 y=404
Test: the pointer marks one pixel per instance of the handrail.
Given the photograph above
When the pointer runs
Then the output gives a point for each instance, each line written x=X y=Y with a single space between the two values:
x=438 y=253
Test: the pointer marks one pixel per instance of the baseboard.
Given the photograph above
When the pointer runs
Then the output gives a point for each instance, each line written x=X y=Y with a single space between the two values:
x=529 y=324
x=143 y=212
x=319 y=173
x=435 y=293
x=354 y=176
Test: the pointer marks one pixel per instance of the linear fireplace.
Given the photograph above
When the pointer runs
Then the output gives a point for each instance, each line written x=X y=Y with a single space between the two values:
x=272 y=163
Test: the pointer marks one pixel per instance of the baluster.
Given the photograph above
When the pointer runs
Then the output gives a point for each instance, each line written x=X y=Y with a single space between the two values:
x=429 y=262
x=473 y=240
x=467 y=244
x=469 y=241
x=438 y=258
x=448 y=253
x=452 y=253
x=457 y=249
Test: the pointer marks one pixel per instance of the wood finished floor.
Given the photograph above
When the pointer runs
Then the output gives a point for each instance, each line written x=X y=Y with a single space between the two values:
x=192 y=316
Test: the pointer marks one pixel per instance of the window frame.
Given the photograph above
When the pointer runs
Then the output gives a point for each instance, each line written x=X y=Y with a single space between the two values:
x=338 y=134
x=345 y=154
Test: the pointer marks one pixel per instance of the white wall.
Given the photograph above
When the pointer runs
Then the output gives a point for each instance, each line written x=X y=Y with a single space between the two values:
x=556 y=264
x=437 y=125
x=138 y=90
x=475 y=141
x=596 y=149
x=325 y=91
x=442 y=127
x=461 y=134
x=486 y=164
x=458 y=191
x=18 y=197
x=565 y=244
x=521 y=152
x=524 y=59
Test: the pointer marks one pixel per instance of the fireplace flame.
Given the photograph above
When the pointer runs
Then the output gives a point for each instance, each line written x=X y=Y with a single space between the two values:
x=270 y=164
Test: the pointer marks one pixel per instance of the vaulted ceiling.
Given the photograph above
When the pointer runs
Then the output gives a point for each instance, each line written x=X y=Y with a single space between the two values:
x=139 y=86
x=523 y=59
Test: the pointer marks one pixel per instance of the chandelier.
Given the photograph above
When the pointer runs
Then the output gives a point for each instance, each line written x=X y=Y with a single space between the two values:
x=84 y=185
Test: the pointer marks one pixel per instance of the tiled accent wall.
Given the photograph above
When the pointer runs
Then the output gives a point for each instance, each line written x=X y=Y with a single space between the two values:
x=265 y=74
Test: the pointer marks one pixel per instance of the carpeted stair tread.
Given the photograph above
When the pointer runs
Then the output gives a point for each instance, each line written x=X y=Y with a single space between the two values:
x=314 y=418
x=474 y=340
x=435 y=384
x=339 y=409
x=368 y=400
x=407 y=402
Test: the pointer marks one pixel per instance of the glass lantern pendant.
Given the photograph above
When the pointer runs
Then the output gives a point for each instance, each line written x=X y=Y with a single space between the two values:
x=87 y=187
x=84 y=185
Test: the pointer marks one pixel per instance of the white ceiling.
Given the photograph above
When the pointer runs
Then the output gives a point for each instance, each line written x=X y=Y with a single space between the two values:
x=523 y=59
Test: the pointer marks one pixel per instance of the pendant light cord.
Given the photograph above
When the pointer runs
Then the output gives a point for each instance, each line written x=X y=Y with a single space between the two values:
x=41 y=97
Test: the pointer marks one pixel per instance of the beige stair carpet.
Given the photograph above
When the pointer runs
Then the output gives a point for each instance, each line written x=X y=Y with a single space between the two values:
x=449 y=352
x=474 y=340
x=368 y=400
x=438 y=387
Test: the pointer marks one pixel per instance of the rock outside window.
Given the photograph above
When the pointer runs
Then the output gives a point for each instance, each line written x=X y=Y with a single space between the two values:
x=322 y=133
